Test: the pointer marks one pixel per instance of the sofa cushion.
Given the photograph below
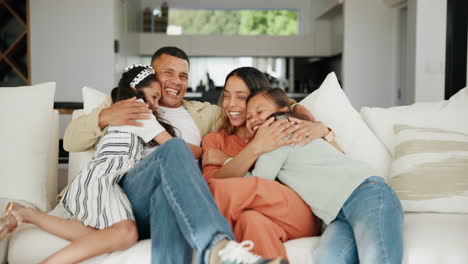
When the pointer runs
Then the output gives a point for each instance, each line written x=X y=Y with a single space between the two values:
x=27 y=117
x=330 y=105
x=5 y=242
x=449 y=115
x=92 y=98
x=429 y=238
x=430 y=169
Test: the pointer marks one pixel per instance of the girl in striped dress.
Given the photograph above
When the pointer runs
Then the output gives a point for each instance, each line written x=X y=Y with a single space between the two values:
x=101 y=217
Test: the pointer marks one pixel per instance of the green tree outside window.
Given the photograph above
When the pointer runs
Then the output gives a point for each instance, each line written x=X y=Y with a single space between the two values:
x=235 y=22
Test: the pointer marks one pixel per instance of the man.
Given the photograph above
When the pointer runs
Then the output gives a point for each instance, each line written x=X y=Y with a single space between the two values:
x=170 y=199
x=171 y=66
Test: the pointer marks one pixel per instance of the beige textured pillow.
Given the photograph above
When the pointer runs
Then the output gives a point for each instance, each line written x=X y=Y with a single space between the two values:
x=430 y=169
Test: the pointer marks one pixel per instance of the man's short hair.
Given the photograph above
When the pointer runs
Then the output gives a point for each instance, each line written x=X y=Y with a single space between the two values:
x=171 y=51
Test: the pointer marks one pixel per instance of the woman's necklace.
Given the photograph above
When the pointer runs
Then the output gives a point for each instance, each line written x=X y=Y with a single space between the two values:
x=244 y=135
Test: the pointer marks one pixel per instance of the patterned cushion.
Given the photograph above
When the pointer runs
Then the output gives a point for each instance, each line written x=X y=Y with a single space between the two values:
x=430 y=169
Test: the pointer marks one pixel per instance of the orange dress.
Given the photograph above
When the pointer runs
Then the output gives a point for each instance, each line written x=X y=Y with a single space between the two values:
x=264 y=211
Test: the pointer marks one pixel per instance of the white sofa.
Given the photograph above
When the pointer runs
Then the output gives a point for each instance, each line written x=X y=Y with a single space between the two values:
x=429 y=237
x=29 y=140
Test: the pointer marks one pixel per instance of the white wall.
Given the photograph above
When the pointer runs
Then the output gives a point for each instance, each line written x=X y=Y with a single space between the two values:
x=127 y=16
x=370 y=53
x=72 y=44
x=426 y=50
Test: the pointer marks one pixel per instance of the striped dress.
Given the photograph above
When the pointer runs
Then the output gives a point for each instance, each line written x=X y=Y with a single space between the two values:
x=95 y=196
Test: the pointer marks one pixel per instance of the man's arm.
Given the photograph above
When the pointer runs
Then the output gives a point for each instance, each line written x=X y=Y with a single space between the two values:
x=83 y=132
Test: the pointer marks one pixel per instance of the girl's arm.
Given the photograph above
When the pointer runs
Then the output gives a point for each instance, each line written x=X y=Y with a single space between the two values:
x=269 y=136
x=151 y=129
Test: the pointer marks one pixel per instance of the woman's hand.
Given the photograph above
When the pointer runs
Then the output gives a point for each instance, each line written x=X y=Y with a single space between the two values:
x=270 y=135
x=214 y=157
x=307 y=131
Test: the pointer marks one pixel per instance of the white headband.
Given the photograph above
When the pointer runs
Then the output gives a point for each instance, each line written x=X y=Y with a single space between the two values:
x=142 y=75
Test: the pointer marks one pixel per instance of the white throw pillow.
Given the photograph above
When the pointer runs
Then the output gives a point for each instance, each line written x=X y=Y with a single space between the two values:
x=330 y=105
x=430 y=169
x=449 y=114
x=92 y=98
x=26 y=114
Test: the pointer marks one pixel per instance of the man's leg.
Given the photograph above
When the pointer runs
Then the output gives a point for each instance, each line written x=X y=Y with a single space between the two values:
x=173 y=167
x=166 y=231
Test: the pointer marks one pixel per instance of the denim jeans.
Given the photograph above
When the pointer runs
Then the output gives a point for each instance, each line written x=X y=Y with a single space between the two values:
x=368 y=228
x=173 y=205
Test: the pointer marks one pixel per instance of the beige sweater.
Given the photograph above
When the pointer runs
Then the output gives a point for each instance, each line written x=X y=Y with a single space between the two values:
x=83 y=132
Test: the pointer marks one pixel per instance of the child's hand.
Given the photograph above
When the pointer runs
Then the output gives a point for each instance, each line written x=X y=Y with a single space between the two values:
x=270 y=135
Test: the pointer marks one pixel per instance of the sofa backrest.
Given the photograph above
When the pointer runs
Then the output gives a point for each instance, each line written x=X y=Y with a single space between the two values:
x=78 y=160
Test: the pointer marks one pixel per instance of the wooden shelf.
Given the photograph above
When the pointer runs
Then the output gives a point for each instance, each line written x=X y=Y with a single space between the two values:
x=14 y=43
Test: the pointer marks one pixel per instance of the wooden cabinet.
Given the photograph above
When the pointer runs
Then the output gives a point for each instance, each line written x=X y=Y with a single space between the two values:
x=14 y=43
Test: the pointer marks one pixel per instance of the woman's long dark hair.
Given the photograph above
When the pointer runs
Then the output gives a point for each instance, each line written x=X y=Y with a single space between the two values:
x=124 y=91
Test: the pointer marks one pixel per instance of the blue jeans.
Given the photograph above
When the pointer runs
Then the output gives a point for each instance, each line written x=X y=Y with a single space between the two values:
x=173 y=205
x=368 y=228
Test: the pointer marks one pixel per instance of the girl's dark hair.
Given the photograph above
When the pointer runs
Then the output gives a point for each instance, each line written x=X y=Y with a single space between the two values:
x=125 y=91
x=276 y=95
x=254 y=79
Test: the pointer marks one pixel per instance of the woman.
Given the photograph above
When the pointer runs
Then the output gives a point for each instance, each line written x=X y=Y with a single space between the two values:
x=260 y=210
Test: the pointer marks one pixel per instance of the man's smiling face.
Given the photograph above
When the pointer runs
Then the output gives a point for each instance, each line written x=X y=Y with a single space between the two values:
x=172 y=73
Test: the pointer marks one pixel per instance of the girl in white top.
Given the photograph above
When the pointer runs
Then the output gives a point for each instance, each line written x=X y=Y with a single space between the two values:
x=102 y=219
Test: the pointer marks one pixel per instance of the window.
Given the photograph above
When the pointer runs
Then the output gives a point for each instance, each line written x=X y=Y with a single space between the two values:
x=273 y=22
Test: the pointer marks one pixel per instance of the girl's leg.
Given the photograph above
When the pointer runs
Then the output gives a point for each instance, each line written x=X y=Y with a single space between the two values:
x=337 y=244
x=119 y=236
x=376 y=216
x=64 y=228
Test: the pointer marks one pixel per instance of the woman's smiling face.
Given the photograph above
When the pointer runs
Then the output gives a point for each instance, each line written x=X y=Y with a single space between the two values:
x=235 y=100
